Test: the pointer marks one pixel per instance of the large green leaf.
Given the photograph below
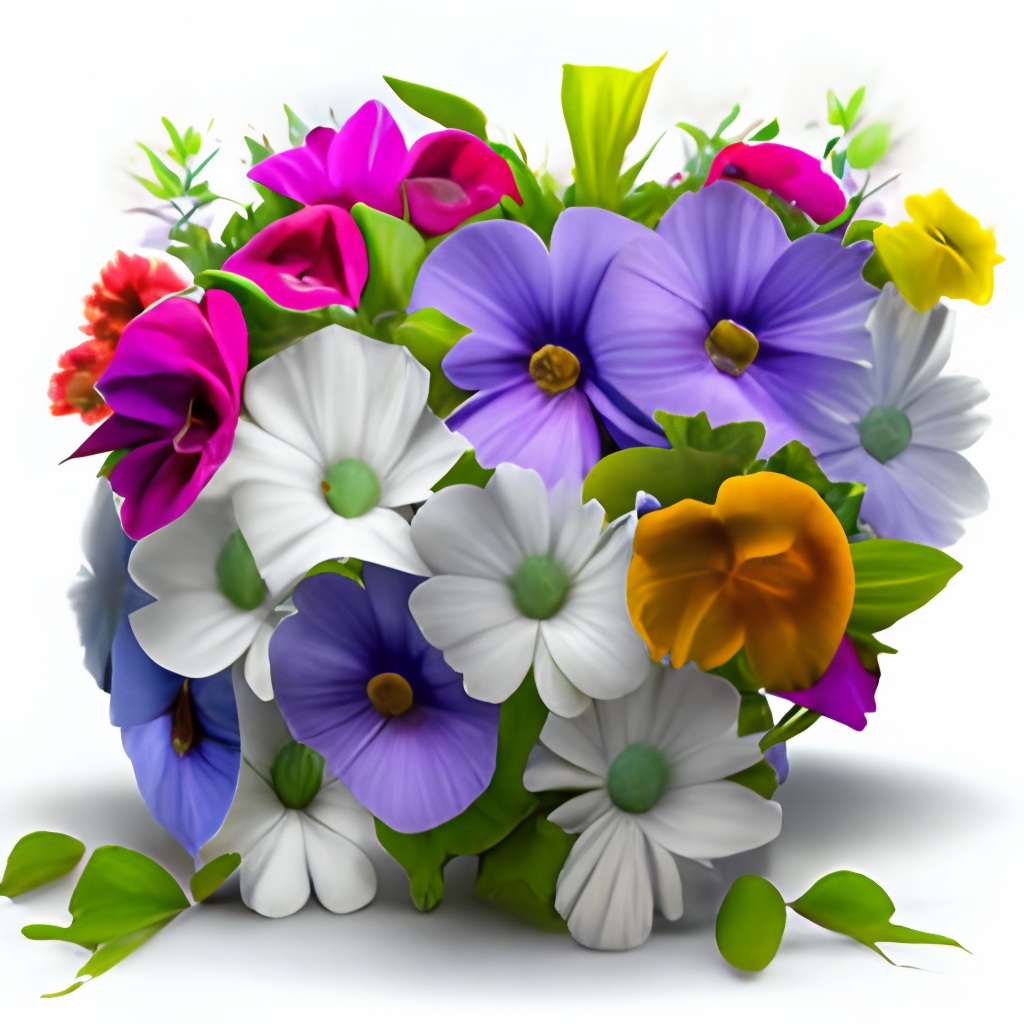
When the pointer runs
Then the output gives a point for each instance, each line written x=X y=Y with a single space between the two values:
x=243 y=226
x=854 y=905
x=539 y=208
x=192 y=244
x=430 y=335
x=491 y=817
x=750 y=923
x=602 y=108
x=894 y=578
x=39 y=858
x=868 y=146
x=445 y=108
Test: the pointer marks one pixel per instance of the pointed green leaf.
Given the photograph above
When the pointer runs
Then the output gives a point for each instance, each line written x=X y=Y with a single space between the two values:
x=466 y=471
x=851 y=903
x=628 y=179
x=153 y=188
x=894 y=578
x=257 y=151
x=835 y=109
x=760 y=778
x=178 y=152
x=539 y=209
x=649 y=202
x=868 y=146
x=170 y=181
x=443 y=107
x=726 y=121
x=742 y=440
x=838 y=162
x=349 y=567
x=210 y=877
x=853 y=109
x=430 y=335
x=792 y=723
x=111 y=461
x=492 y=816
x=874 y=271
x=750 y=923
x=39 y=858
x=297 y=130
x=110 y=955
x=602 y=108
x=829 y=146
x=196 y=249
x=769 y=131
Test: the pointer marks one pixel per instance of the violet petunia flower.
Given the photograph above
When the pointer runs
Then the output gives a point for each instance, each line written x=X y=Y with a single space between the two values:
x=182 y=738
x=793 y=175
x=307 y=260
x=446 y=177
x=356 y=680
x=175 y=386
x=541 y=400
x=719 y=312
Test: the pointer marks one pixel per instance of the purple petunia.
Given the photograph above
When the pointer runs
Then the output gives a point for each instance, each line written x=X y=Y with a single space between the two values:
x=719 y=312
x=356 y=680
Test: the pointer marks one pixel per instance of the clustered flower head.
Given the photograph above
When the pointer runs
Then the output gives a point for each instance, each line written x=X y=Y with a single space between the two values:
x=453 y=512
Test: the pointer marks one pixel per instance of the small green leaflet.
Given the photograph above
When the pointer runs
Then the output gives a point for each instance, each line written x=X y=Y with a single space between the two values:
x=760 y=778
x=750 y=923
x=39 y=858
x=868 y=146
x=210 y=877
x=196 y=249
x=769 y=131
x=111 y=461
x=244 y=225
x=540 y=207
x=835 y=109
x=297 y=130
x=430 y=335
x=350 y=567
x=650 y=200
x=445 y=108
x=792 y=723
x=874 y=271
x=258 y=151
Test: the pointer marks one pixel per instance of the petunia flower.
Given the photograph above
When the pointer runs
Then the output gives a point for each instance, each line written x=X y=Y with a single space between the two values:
x=356 y=680
x=719 y=312
x=341 y=443
x=653 y=769
x=766 y=568
x=309 y=259
x=181 y=736
x=525 y=577
x=175 y=387
x=907 y=426
x=793 y=175
x=941 y=251
x=446 y=177
x=541 y=402
x=292 y=822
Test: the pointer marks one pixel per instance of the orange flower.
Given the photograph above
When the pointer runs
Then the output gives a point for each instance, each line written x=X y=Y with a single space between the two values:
x=767 y=567
x=73 y=386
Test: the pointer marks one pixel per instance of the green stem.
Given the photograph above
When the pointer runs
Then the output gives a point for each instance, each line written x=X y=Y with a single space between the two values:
x=794 y=722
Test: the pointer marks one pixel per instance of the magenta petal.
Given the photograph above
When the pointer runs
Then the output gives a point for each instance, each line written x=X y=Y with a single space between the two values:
x=793 y=175
x=301 y=173
x=845 y=693
x=308 y=260
x=366 y=160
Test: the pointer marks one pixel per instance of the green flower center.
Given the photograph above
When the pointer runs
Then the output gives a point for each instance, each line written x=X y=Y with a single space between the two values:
x=239 y=579
x=638 y=777
x=297 y=774
x=732 y=348
x=351 y=488
x=539 y=587
x=885 y=432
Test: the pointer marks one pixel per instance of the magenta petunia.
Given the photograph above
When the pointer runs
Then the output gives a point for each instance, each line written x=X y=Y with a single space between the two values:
x=175 y=386
x=791 y=174
x=446 y=177
x=307 y=260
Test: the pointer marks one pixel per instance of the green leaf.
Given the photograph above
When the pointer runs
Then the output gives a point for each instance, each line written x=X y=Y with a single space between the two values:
x=792 y=723
x=838 y=162
x=395 y=251
x=111 y=461
x=836 y=114
x=257 y=151
x=851 y=903
x=197 y=251
x=297 y=130
x=794 y=220
x=520 y=872
x=769 y=131
x=153 y=188
x=491 y=817
x=109 y=955
x=466 y=471
x=649 y=202
x=210 y=877
x=167 y=178
x=755 y=714
x=602 y=108
x=443 y=107
x=178 y=153
x=243 y=226
x=742 y=440
x=868 y=146
x=350 y=567
x=539 y=208
x=760 y=778
x=853 y=108
x=894 y=578
x=874 y=271
x=272 y=327
x=726 y=121
x=750 y=923
x=39 y=858
x=830 y=145
x=430 y=335
x=628 y=179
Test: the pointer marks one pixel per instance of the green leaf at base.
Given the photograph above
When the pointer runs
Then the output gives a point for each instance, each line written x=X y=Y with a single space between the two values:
x=750 y=923
x=37 y=859
x=760 y=778
x=210 y=877
x=430 y=335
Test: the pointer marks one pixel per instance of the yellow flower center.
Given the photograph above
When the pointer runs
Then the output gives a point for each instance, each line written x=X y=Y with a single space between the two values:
x=390 y=694
x=732 y=348
x=554 y=369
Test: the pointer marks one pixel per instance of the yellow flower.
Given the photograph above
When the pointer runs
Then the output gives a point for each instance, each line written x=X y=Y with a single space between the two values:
x=767 y=568
x=941 y=250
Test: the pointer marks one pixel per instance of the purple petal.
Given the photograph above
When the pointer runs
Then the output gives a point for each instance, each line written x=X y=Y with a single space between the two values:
x=777 y=757
x=140 y=689
x=366 y=161
x=301 y=173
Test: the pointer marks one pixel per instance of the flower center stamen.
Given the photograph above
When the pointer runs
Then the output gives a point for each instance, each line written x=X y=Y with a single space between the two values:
x=885 y=432
x=539 y=587
x=732 y=348
x=237 y=576
x=183 y=728
x=297 y=774
x=554 y=369
x=390 y=694
x=351 y=488
x=638 y=777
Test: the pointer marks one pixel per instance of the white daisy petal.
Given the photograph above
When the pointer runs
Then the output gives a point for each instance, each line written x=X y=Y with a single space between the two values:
x=946 y=415
x=342 y=874
x=580 y=740
x=632 y=719
x=553 y=685
x=428 y=454
x=274 y=877
x=575 y=528
x=257 y=660
x=520 y=497
x=668 y=886
x=546 y=770
x=337 y=809
x=581 y=811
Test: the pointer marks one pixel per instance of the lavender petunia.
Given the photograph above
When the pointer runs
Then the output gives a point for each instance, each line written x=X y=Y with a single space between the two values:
x=356 y=680
x=541 y=400
x=719 y=312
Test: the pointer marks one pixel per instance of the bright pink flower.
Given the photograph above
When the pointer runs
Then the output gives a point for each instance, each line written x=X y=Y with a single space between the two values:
x=307 y=260
x=790 y=173
x=446 y=177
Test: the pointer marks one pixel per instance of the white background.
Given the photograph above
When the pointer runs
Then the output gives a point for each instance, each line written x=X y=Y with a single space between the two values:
x=926 y=800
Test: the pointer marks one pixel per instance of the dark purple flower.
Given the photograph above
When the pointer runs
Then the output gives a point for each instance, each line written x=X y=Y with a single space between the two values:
x=355 y=679
x=181 y=736
x=307 y=260
x=541 y=400
x=719 y=312
x=175 y=385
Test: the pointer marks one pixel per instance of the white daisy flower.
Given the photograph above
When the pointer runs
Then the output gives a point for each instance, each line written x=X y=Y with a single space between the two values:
x=653 y=766
x=913 y=424
x=342 y=442
x=525 y=577
x=292 y=822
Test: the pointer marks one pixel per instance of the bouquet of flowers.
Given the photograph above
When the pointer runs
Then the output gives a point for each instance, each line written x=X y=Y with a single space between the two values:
x=451 y=510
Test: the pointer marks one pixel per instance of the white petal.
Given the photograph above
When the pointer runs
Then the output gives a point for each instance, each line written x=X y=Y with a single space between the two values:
x=431 y=451
x=262 y=728
x=546 y=770
x=337 y=809
x=274 y=876
x=604 y=890
x=575 y=528
x=553 y=685
x=714 y=819
x=343 y=876
x=522 y=501
x=665 y=880
x=257 y=660
x=581 y=811
x=631 y=719
x=946 y=414
x=254 y=811
x=579 y=740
